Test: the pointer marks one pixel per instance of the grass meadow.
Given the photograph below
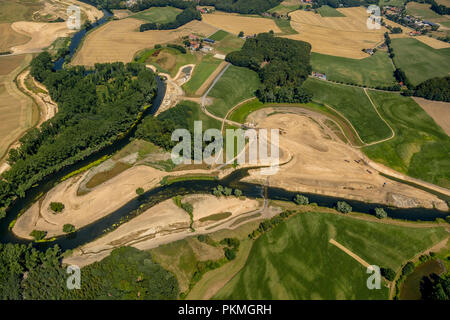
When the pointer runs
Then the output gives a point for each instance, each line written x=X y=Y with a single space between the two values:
x=296 y=261
x=158 y=14
x=353 y=103
x=202 y=71
x=327 y=11
x=420 y=147
x=419 y=61
x=373 y=71
x=236 y=85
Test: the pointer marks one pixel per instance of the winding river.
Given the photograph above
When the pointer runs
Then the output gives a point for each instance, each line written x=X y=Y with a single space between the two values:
x=156 y=195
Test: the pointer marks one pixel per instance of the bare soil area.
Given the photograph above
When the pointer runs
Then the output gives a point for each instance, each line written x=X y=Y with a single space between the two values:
x=438 y=110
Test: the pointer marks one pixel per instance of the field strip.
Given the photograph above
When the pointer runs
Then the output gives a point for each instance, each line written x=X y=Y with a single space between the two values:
x=392 y=130
x=351 y=254
x=211 y=78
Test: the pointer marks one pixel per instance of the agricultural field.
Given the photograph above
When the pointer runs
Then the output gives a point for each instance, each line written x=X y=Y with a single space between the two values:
x=17 y=113
x=420 y=147
x=202 y=71
x=227 y=43
x=295 y=260
x=284 y=8
x=373 y=71
x=353 y=103
x=421 y=10
x=236 y=85
x=16 y=10
x=235 y=23
x=419 y=61
x=167 y=60
x=158 y=14
x=350 y=33
x=119 y=40
x=327 y=11
x=392 y=3
x=9 y=38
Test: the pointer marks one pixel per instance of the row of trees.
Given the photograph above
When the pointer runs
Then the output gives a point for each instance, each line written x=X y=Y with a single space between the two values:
x=128 y=273
x=184 y=17
x=282 y=65
x=344 y=3
x=94 y=108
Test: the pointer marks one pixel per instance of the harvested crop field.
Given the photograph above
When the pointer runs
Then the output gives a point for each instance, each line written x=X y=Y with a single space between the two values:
x=432 y=42
x=15 y=108
x=119 y=40
x=10 y=38
x=235 y=23
x=438 y=110
x=42 y=35
x=349 y=34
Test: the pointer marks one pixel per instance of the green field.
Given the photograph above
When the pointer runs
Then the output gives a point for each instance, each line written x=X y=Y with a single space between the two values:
x=420 y=148
x=186 y=112
x=419 y=61
x=284 y=9
x=236 y=85
x=421 y=10
x=296 y=261
x=353 y=103
x=392 y=3
x=219 y=35
x=285 y=26
x=202 y=71
x=158 y=14
x=228 y=43
x=373 y=71
x=327 y=11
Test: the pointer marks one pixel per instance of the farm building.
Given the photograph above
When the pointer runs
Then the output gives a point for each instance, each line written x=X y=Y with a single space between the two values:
x=209 y=40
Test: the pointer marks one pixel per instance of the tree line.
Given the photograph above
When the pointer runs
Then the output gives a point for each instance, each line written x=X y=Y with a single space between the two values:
x=434 y=89
x=242 y=6
x=127 y=273
x=344 y=3
x=95 y=107
x=282 y=65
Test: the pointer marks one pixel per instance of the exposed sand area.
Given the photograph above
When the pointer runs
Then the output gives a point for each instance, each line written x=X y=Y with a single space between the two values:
x=338 y=36
x=42 y=35
x=235 y=23
x=165 y=223
x=323 y=165
x=119 y=40
x=438 y=110
x=81 y=210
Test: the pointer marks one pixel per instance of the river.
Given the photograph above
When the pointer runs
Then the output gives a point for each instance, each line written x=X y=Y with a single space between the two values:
x=156 y=195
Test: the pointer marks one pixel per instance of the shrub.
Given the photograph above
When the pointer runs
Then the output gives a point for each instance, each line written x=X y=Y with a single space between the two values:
x=140 y=191
x=187 y=207
x=38 y=234
x=408 y=268
x=57 y=207
x=380 y=213
x=158 y=46
x=228 y=191
x=201 y=238
x=230 y=254
x=237 y=193
x=299 y=199
x=343 y=207
x=68 y=228
x=388 y=273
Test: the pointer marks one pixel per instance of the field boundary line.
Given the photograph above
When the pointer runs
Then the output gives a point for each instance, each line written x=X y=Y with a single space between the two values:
x=363 y=262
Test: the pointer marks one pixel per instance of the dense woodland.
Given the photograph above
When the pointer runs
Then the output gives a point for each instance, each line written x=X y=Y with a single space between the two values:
x=128 y=273
x=434 y=89
x=282 y=65
x=184 y=17
x=242 y=6
x=239 y=6
x=435 y=287
x=94 y=108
